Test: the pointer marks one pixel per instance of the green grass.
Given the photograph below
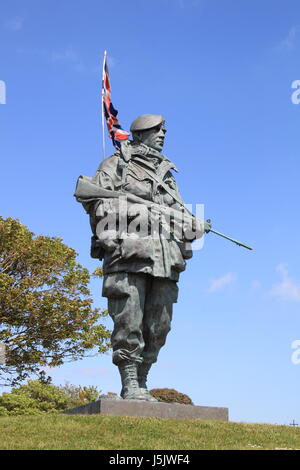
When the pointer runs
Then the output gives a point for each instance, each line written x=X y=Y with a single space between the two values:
x=121 y=433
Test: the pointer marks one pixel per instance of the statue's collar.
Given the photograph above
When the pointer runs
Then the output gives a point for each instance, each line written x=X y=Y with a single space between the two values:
x=150 y=156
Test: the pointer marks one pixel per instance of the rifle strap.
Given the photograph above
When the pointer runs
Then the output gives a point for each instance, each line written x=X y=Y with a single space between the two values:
x=166 y=188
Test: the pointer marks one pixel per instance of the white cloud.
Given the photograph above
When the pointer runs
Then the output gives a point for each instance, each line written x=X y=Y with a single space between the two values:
x=287 y=289
x=256 y=284
x=94 y=371
x=15 y=24
x=66 y=55
x=70 y=57
x=290 y=40
x=216 y=284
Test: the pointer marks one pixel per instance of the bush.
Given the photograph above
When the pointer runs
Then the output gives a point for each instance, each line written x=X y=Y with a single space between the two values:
x=170 y=395
x=78 y=395
x=33 y=398
x=37 y=397
x=13 y=404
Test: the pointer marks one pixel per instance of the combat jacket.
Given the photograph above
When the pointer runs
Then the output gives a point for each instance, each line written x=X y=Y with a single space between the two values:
x=145 y=173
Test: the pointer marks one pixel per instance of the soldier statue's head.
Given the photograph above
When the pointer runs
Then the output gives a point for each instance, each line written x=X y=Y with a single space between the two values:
x=149 y=129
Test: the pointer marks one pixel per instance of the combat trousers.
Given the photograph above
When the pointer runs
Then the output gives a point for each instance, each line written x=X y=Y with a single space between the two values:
x=141 y=308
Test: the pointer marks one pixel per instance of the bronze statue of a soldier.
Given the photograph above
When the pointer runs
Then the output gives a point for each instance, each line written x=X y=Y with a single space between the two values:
x=141 y=269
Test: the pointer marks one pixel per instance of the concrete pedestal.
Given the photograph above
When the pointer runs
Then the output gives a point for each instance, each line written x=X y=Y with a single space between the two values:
x=150 y=409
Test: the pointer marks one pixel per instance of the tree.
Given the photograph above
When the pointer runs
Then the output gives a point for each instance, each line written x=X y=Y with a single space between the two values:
x=46 y=313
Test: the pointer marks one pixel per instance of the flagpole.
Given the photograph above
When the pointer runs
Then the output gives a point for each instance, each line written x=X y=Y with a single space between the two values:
x=103 y=131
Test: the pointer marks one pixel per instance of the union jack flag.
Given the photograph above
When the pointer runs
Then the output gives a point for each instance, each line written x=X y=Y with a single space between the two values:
x=115 y=131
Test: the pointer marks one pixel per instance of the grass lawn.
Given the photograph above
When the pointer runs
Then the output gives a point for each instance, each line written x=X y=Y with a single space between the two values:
x=96 y=432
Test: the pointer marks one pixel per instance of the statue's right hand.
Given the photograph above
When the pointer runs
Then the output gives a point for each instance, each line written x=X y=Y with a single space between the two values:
x=108 y=239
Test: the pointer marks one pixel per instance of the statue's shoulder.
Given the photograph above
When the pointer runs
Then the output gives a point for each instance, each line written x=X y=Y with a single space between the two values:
x=110 y=164
x=113 y=168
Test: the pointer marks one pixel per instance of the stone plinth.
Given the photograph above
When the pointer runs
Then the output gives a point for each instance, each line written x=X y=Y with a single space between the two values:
x=150 y=409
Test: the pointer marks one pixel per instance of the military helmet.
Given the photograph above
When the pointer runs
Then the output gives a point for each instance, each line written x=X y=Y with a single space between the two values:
x=146 y=121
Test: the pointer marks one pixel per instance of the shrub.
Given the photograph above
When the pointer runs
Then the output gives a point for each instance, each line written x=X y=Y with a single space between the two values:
x=17 y=404
x=37 y=397
x=78 y=395
x=170 y=395
x=33 y=398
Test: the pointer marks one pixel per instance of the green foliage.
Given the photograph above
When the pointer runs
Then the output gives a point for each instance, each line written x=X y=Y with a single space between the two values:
x=46 y=313
x=13 y=404
x=170 y=395
x=33 y=398
x=78 y=395
x=98 y=272
x=38 y=397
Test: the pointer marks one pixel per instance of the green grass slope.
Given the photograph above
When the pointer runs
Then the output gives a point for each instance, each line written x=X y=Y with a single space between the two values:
x=120 y=433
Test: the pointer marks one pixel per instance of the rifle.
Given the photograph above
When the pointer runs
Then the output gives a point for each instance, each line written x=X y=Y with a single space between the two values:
x=88 y=191
x=231 y=239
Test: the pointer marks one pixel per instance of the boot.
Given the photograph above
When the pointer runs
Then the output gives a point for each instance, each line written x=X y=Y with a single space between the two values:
x=143 y=370
x=130 y=386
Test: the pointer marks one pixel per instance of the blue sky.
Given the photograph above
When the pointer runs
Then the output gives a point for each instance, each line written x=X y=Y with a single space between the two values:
x=221 y=73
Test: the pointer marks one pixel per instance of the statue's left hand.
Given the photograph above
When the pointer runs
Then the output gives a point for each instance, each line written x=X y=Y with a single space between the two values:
x=207 y=226
x=201 y=227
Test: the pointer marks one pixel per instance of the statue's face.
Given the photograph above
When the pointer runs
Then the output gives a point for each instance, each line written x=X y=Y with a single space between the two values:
x=154 y=137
